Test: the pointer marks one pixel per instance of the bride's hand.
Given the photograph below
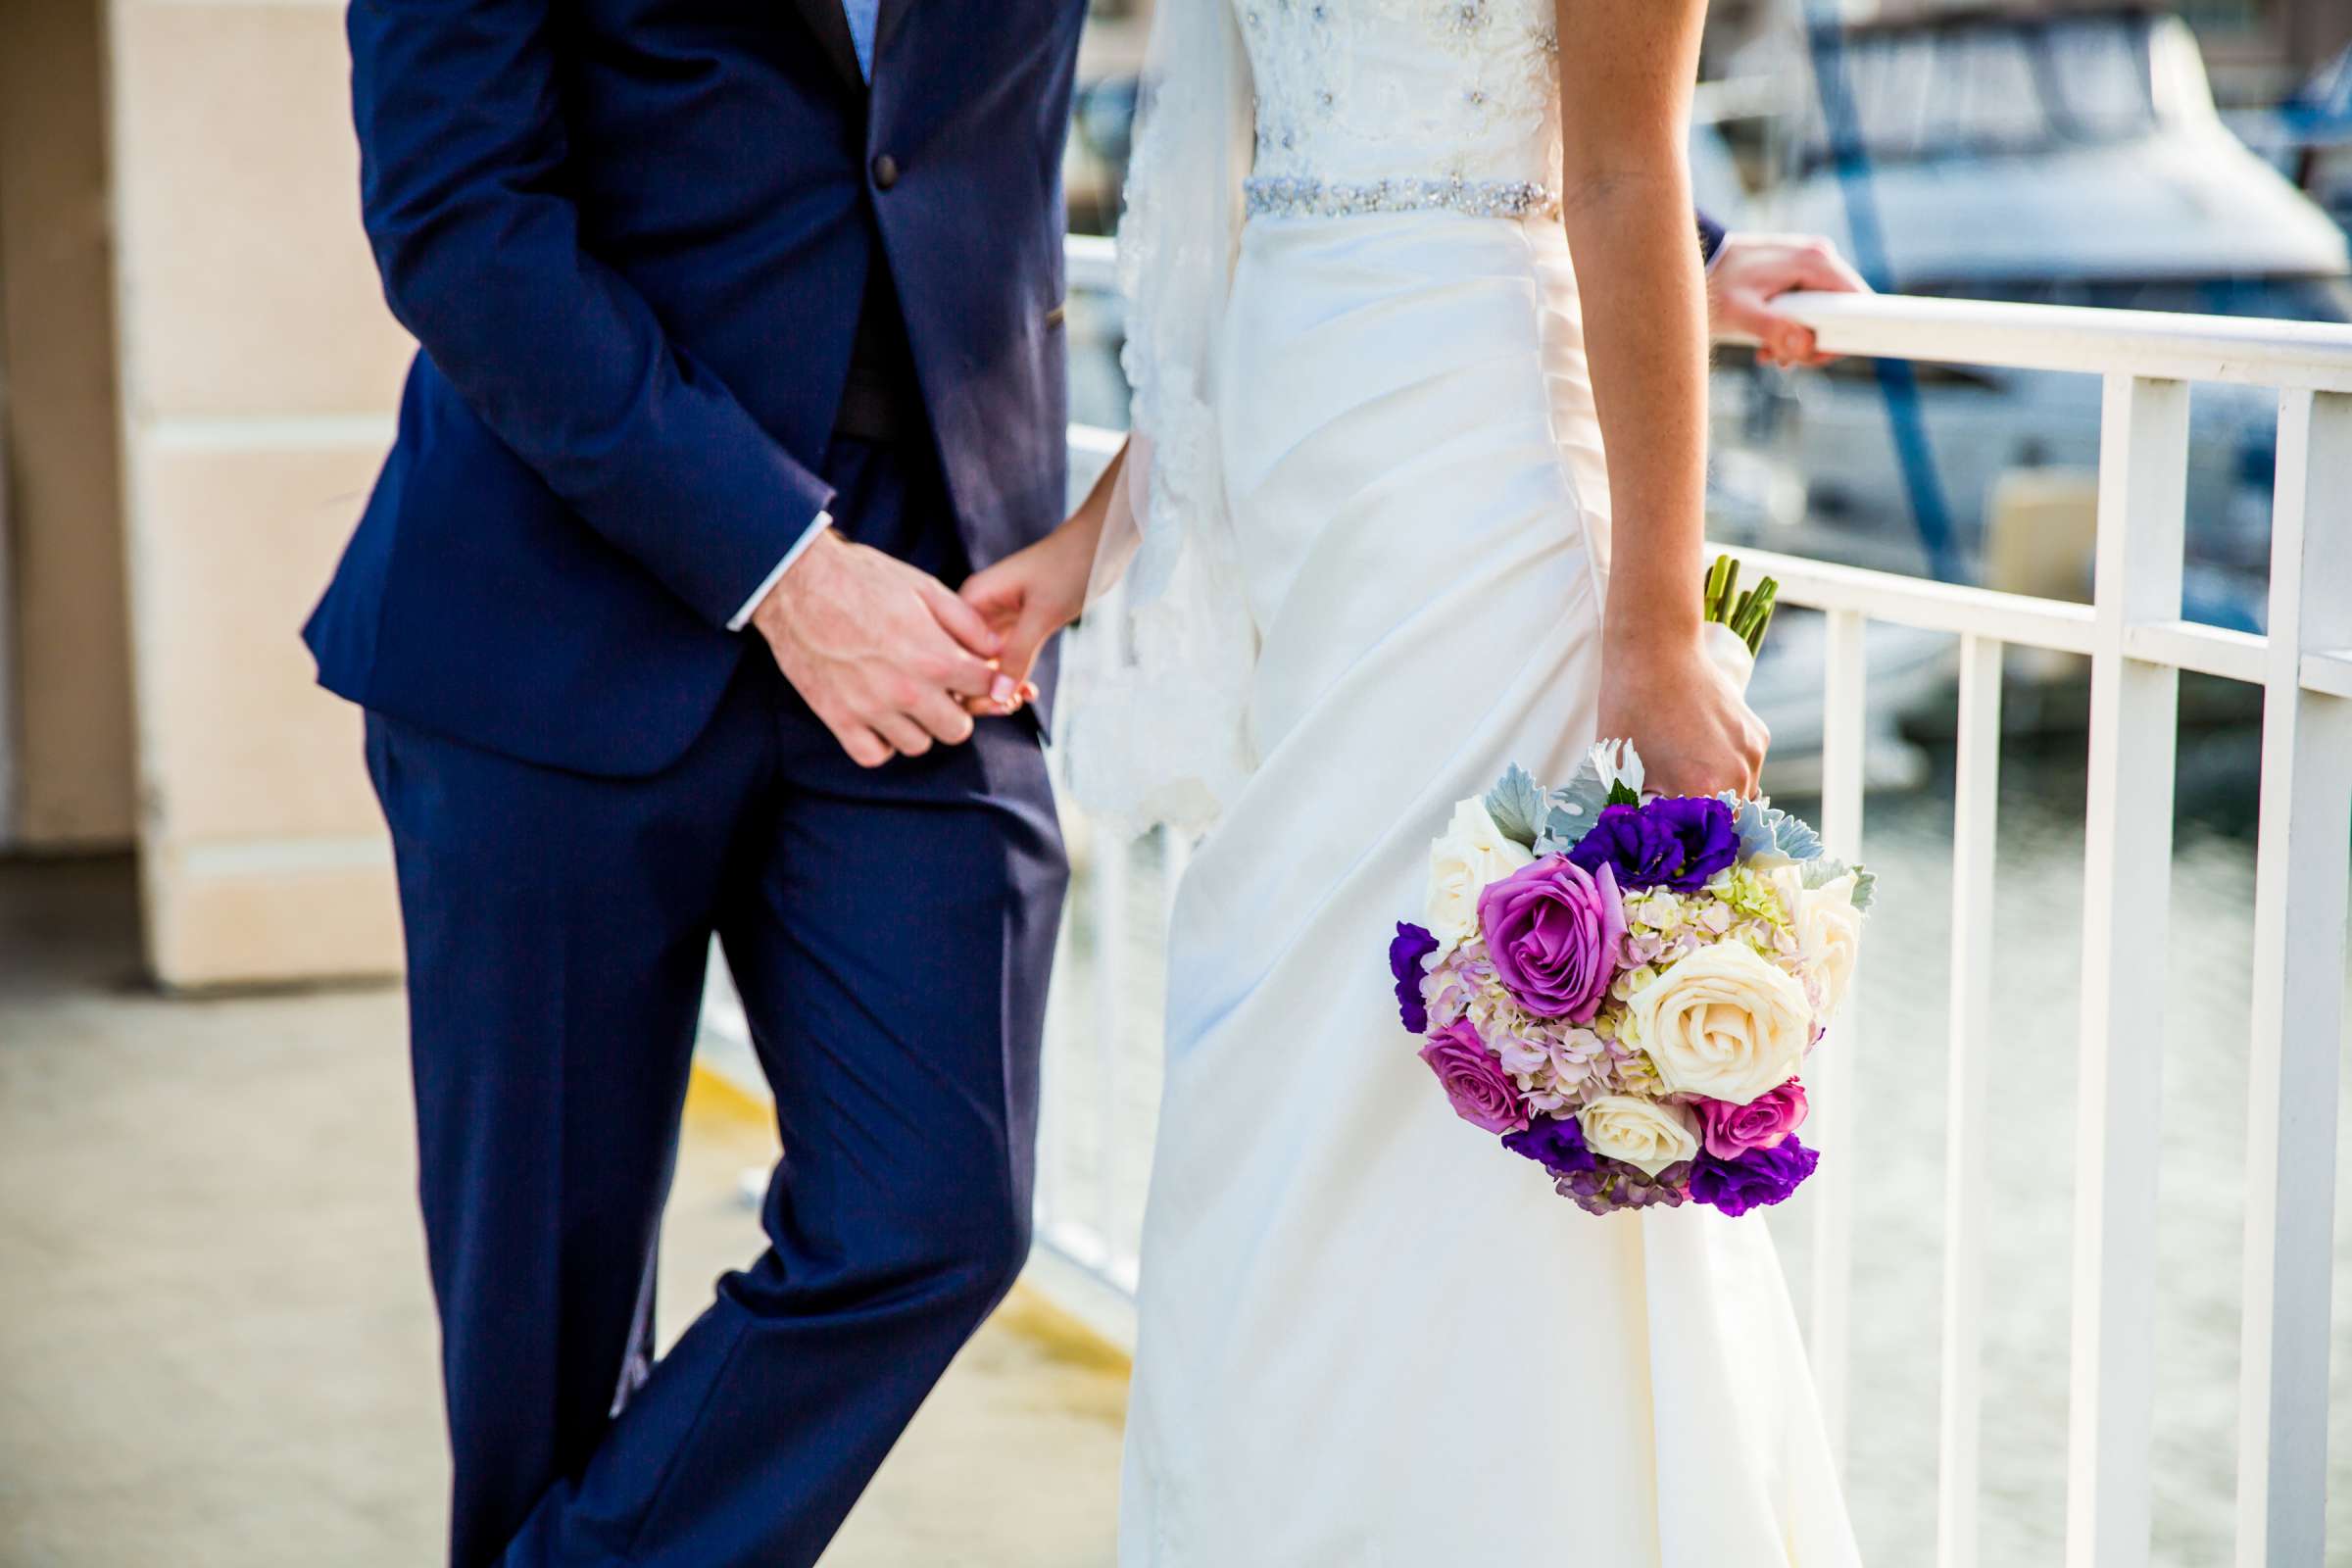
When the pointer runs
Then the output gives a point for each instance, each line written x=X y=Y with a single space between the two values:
x=1025 y=599
x=1695 y=731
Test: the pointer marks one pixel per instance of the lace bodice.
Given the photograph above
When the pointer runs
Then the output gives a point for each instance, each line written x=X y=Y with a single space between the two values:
x=1378 y=104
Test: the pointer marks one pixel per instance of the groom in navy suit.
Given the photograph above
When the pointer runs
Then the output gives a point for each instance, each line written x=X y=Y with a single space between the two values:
x=740 y=346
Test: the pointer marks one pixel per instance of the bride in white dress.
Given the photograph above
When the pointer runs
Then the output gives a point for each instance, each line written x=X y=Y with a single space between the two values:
x=1383 y=441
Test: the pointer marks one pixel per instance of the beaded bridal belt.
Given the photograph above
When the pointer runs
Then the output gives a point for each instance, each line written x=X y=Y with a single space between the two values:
x=1298 y=196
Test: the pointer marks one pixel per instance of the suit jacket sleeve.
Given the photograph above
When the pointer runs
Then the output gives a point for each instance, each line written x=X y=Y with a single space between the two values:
x=463 y=146
x=1710 y=238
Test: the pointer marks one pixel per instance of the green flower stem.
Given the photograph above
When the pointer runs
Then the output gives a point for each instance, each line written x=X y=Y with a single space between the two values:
x=1748 y=612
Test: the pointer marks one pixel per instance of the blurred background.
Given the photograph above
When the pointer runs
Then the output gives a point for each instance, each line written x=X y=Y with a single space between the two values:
x=215 y=1344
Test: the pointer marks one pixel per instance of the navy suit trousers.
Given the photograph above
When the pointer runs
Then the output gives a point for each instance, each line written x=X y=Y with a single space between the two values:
x=889 y=931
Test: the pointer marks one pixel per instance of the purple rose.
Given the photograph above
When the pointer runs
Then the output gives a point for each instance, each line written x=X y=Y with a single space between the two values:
x=1676 y=841
x=1555 y=1143
x=1553 y=930
x=1481 y=1093
x=1405 y=954
x=1731 y=1131
x=1757 y=1178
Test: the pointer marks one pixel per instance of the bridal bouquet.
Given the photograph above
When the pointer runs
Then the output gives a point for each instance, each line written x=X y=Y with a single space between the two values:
x=1626 y=990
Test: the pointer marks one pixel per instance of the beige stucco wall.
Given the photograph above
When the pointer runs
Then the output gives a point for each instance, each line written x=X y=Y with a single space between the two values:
x=261 y=373
x=69 y=659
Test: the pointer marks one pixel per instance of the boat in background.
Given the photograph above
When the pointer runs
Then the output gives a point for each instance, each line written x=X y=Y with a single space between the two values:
x=2307 y=139
x=2071 y=159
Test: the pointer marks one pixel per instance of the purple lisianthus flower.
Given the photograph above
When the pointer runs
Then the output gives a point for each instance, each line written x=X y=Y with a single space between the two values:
x=1405 y=952
x=1731 y=1131
x=1553 y=930
x=1676 y=841
x=1481 y=1093
x=1557 y=1143
x=1757 y=1178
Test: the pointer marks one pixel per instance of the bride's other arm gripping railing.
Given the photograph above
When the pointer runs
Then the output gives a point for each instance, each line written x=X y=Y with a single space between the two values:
x=2138 y=645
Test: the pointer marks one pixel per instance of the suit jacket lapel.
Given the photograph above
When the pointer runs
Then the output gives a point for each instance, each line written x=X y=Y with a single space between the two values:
x=886 y=20
x=831 y=25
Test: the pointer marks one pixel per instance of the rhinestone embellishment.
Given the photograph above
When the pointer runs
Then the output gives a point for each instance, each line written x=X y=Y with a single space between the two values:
x=1461 y=18
x=1298 y=196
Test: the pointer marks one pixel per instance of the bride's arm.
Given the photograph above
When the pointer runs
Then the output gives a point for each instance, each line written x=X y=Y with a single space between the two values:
x=1627 y=68
x=1034 y=592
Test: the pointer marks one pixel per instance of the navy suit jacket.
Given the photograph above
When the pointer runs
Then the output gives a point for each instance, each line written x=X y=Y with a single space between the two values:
x=632 y=238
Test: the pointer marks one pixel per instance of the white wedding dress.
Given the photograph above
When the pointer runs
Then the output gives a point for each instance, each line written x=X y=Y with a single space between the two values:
x=1369 y=1335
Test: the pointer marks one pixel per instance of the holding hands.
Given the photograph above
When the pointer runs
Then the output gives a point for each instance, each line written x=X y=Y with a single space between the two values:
x=1031 y=595
x=1034 y=592
x=893 y=661
x=882 y=653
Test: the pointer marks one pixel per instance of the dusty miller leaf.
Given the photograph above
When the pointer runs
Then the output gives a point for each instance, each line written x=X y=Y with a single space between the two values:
x=1618 y=764
x=1752 y=821
x=1822 y=871
x=1768 y=830
x=1563 y=828
x=1518 y=805
x=1794 y=837
x=1575 y=809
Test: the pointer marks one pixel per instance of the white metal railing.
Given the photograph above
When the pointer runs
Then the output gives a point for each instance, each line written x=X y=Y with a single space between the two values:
x=2138 y=645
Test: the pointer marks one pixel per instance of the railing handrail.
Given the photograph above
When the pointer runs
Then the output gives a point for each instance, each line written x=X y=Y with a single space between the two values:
x=2157 y=345
x=2026 y=622
x=1090 y=260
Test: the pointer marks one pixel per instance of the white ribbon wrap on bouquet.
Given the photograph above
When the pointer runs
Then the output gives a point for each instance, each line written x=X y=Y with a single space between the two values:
x=1727 y=651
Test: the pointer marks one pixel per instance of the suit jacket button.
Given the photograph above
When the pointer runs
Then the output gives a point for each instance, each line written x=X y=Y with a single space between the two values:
x=886 y=171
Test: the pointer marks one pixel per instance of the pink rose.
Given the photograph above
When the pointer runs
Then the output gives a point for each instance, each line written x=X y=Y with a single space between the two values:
x=1481 y=1093
x=1730 y=1131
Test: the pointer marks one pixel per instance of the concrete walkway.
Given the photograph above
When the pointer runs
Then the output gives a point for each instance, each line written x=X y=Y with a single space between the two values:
x=216 y=1340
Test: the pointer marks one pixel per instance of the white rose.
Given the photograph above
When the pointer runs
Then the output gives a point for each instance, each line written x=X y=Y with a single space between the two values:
x=1643 y=1132
x=1827 y=927
x=1724 y=1023
x=1472 y=853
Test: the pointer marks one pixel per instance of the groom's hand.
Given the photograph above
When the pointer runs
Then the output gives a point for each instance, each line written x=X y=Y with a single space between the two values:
x=884 y=654
x=1752 y=270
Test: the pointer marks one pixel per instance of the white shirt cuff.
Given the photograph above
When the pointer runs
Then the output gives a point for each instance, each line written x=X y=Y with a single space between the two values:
x=743 y=617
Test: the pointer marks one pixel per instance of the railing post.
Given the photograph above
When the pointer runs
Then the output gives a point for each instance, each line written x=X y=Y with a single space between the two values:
x=2299 y=926
x=2127 y=867
x=1175 y=857
x=1975 y=812
x=1829 y=1077
x=1109 y=1031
